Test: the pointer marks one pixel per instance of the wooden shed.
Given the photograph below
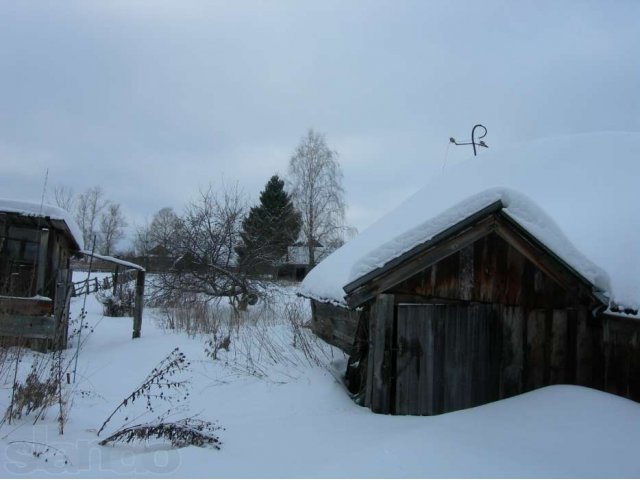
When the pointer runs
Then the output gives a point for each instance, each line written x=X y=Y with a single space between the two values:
x=36 y=245
x=477 y=301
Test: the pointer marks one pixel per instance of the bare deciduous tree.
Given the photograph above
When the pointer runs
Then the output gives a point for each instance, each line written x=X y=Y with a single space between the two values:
x=163 y=227
x=112 y=225
x=63 y=197
x=316 y=187
x=142 y=241
x=89 y=205
x=204 y=240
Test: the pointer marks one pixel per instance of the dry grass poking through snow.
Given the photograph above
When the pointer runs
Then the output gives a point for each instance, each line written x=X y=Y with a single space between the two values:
x=270 y=340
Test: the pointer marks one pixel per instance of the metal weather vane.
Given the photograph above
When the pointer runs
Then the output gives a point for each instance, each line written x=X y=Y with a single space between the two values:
x=473 y=139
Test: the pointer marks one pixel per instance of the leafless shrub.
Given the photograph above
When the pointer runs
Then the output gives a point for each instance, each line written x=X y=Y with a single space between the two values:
x=42 y=388
x=182 y=433
x=8 y=358
x=192 y=316
x=275 y=344
x=303 y=339
x=32 y=395
x=203 y=241
x=216 y=344
x=160 y=384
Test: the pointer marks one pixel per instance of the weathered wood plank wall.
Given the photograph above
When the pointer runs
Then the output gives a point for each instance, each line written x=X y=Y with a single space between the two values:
x=450 y=357
x=41 y=323
x=334 y=325
x=380 y=371
x=502 y=327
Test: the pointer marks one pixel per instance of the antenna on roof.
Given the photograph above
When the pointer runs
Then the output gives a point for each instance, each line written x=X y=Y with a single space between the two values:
x=44 y=190
x=473 y=139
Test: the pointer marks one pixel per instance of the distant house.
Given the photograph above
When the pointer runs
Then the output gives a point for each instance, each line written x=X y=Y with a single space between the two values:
x=157 y=259
x=36 y=245
x=512 y=271
x=295 y=264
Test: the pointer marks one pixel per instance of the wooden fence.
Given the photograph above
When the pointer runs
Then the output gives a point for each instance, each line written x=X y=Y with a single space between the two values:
x=92 y=285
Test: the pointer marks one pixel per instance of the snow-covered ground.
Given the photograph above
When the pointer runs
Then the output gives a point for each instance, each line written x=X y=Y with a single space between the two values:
x=283 y=417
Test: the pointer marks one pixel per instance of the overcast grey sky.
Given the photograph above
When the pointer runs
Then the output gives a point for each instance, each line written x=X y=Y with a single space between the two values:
x=153 y=100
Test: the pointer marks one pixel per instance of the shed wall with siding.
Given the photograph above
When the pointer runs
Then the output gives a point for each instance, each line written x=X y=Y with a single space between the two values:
x=34 y=290
x=335 y=325
x=481 y=324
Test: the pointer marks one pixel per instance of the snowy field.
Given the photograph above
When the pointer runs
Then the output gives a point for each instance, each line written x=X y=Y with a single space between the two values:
x=284 y=415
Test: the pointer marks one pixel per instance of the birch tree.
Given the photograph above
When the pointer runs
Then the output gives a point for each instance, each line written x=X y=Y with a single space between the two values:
x=63 y=197
x=316 y=187
x=112 y=225
x=89 y=206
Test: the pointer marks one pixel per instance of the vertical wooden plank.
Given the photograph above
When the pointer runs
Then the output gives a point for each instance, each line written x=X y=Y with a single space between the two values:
x=634 y=365
x=495 y=351
x=584 y=350
x=466 y=273
x=572 y=339
x=453 y=373
x=382 y=323
x=415 y=360
x=43 y=254
x=558 y=348
x=427 y=383
x=483 y=353
x=373 y=318
x=484 y=356
x=535 y=349
x=412 y=360
x=512 y=351
x=473 y=371
x=437 y=332
x=403 y=362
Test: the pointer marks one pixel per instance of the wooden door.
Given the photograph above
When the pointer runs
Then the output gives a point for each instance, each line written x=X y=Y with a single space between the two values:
x=447 y=357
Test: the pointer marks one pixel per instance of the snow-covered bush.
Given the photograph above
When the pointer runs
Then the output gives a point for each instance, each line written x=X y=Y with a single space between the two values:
x=120 y=304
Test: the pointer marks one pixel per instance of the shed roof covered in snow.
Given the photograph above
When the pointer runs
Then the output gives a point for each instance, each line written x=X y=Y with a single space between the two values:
x=29 y=209
x=578 y=195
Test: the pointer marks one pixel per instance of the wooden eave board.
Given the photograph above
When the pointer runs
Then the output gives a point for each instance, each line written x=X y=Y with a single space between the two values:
x=35 y=221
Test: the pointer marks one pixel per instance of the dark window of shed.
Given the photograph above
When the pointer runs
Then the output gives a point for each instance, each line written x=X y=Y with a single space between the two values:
x=21 y=245
x=18 y=258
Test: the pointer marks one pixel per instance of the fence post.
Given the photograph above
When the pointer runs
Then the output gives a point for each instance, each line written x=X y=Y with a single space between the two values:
x=115 y=279
x=137 y=313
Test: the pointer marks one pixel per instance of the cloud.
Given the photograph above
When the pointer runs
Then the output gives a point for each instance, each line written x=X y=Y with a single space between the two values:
x=152 y=99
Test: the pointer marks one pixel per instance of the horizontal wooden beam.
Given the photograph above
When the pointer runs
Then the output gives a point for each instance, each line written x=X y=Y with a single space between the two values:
x=25 y=306
x=27 y=326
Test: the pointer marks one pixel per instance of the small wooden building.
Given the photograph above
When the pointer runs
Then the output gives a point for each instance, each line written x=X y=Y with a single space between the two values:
x=36 y=245
x=481 y=300
x=294 y=266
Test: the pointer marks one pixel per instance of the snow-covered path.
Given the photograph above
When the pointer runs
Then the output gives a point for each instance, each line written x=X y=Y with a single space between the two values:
x=299 y=422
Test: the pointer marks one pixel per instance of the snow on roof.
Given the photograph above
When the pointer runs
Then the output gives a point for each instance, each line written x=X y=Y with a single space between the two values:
x=38 y=210
x=110 y=259
x=579 y=195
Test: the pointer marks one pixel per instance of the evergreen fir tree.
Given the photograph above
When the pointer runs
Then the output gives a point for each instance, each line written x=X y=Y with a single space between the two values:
x=269 y=228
